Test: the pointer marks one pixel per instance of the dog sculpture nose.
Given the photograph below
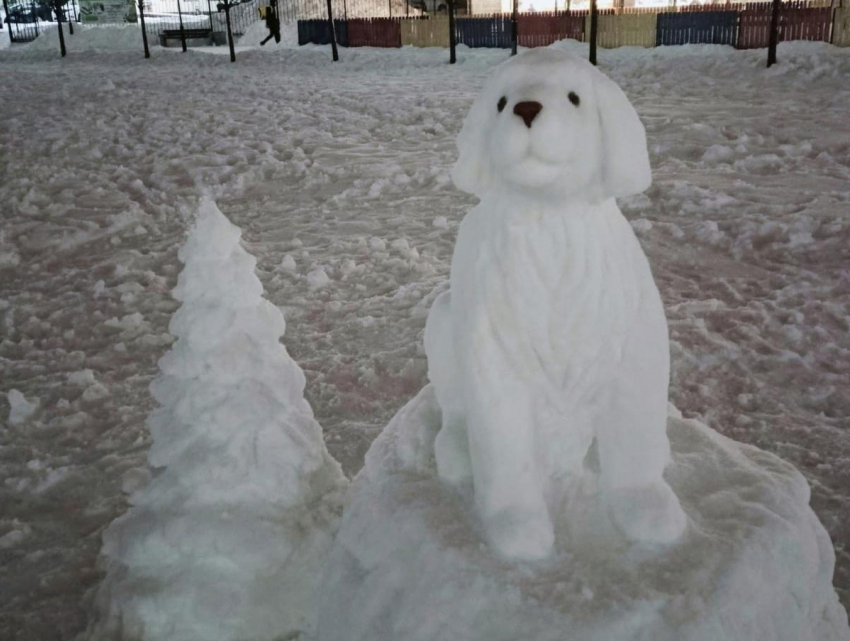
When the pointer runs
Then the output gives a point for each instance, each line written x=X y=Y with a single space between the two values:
x=527 y=111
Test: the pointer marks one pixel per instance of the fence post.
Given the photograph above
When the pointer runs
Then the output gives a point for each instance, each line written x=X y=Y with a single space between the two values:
x=6 y=11
x=452 y=33
x=35 y=15
x=141 y=4
x=182 y=32
x=70 y=23
x=774 y=33
x=57 y=6
x=332 y=32
x=514 y=35
x=209 y=13
x=227 y=6
x=594 y=19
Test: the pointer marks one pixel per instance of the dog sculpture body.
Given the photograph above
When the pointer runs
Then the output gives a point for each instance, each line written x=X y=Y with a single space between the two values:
x=553 y=334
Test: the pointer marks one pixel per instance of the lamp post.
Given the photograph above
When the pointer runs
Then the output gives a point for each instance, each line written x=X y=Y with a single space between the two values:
x=141 y=4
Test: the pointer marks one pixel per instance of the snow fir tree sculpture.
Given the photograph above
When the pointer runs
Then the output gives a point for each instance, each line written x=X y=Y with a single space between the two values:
x=228 y=538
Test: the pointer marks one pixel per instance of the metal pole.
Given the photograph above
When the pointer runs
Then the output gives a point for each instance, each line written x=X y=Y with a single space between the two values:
x=182 y=32
x=35 y=16
x=390 y=5
x=141 y=4
x=452 y=33
x=594 y=17
x=774 y=33
x=58 y=7
x=70 y=24
x=332 y=32
x=11 y=31
x=229 y=31
x=514 y=27
x=209 y=12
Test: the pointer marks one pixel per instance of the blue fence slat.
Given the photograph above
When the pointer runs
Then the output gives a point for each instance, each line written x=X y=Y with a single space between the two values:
x=483 y=32
x=316 y=32
x=697 y=27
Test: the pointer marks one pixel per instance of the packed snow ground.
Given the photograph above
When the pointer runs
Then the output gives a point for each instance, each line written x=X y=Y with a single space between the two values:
x=338 y=176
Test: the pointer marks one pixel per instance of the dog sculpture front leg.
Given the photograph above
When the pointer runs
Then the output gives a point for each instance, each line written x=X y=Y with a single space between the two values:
x=632 y=435
x=487 y=433
x=508 y=487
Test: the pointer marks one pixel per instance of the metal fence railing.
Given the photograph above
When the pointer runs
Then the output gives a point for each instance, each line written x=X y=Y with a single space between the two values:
x=27 y=19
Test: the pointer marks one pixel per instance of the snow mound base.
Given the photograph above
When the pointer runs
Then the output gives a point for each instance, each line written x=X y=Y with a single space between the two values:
x=229 y=538
x=409 y=560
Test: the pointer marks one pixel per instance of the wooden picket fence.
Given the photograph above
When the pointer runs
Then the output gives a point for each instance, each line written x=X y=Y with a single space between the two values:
x=493 y=31
x=697 y=27
x=542 y=29
x=431 y=32
x=743 y=26
x=636 y=29
x=841 y=27
x=797 y=21
x=374 y=32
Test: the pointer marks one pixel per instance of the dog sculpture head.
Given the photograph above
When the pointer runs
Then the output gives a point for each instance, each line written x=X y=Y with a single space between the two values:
x=550 y=122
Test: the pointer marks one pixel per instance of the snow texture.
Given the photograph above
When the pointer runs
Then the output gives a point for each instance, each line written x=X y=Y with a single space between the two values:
x=227 y=539
x=113 y=37
x=333 y=163
x=408 y=561
x=20 y=409
x=553 y=336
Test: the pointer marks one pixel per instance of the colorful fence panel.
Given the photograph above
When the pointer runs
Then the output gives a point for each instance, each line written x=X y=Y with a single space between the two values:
x=795 y=23
x=313 y=32
x=841 y=27
x=806 y=24
x=374 y=32
x=697 y=27
x=747 y=28
x=625 y=30
x=494 y=31
x=433 y=32
x=542 y=29
x=316 y=32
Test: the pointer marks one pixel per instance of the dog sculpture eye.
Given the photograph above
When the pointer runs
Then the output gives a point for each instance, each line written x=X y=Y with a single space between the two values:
x=573 y=96
x=502 y=102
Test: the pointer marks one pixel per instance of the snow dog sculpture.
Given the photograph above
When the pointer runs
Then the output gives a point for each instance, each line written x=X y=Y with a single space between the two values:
x=550 y=353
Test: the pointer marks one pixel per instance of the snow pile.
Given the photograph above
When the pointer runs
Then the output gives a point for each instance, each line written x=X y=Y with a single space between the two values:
x=227 y=540
x=409 y=561
x=258 y=32
x=113 y=37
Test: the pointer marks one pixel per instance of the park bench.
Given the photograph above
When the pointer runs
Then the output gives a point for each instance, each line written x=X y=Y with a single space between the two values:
x=194 y=37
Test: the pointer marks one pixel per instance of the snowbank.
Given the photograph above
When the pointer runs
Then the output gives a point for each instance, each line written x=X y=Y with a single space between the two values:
x=227 y=541
x=114 y=37
x=409 y=562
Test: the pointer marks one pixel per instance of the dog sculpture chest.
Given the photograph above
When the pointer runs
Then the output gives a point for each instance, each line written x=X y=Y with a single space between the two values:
x=553 y=335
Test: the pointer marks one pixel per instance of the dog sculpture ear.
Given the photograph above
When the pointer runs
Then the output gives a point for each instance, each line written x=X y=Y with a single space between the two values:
x=625 y=160
x=472 y=172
